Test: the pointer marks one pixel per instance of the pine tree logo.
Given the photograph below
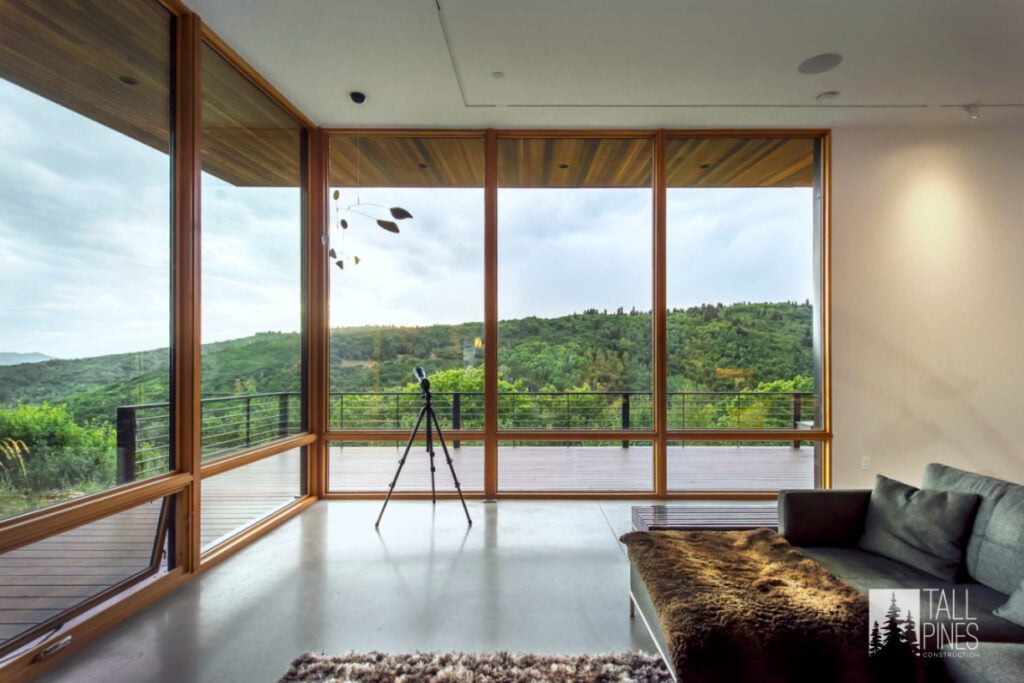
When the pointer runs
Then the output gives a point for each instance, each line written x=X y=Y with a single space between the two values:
x=893 y=640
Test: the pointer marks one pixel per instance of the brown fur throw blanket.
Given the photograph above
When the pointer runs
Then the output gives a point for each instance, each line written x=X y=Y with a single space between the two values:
x=746 y=606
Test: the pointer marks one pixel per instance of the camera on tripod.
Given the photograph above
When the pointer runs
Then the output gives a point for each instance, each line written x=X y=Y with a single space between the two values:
x=421 y=377
x=426 y=413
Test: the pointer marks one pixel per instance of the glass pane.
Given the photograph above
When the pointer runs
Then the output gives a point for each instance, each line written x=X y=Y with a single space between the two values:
x=251 y=242
x=85 y=237
x=409 y=299
x=373 y=466
x=574 y=283
x=576 y=466
x=237 y=499
x=44 y=580
x=741 y=284
x=742 y=465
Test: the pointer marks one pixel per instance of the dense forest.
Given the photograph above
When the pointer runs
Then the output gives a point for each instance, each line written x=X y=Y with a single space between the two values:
x=710 y=348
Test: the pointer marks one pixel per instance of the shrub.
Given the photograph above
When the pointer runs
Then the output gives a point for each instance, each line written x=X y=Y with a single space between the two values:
x=59 y=454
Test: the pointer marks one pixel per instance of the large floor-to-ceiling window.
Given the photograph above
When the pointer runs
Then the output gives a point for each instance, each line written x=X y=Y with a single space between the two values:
x=406 y=264
x=653 y=312
x=142 y=424
x=574 y=308
x=743 y=310
x=252 y=300
x=85 y=312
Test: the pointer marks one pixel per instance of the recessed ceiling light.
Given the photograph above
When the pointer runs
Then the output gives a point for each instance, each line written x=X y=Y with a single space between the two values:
x=497 y=74
x=819 y=64
x=827 y=96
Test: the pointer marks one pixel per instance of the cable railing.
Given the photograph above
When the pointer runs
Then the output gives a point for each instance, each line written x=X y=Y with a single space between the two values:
x=229 y=423
x=233 y=423
x=577 y=410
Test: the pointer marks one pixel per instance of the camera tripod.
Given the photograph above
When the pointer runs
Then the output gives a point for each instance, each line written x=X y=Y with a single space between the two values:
x=426 y=413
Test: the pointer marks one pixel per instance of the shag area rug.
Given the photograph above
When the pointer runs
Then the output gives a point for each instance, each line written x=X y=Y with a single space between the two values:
x=453 y=667
x=747 y=606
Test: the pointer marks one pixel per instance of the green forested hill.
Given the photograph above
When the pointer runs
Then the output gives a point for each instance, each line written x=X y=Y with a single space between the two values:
x=709 y=348
x=53 y=380
x=607 y=351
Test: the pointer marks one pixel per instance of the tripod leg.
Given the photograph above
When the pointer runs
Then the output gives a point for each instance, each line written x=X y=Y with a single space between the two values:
x=458 y=487
x=401 y=463
x=430 y=452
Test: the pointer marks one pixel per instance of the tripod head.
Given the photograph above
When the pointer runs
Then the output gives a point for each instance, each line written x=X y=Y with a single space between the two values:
x=420 y=375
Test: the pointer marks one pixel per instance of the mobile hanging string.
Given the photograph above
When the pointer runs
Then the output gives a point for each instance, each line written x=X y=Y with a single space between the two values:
x=427 y=411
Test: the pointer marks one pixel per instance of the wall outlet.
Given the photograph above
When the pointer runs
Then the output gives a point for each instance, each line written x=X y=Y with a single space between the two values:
x=865 y=462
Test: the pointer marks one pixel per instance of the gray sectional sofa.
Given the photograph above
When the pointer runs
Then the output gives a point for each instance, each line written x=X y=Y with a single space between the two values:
x=959 y=540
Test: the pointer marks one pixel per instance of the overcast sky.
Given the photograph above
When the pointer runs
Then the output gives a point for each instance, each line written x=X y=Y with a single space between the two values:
x=84 y=247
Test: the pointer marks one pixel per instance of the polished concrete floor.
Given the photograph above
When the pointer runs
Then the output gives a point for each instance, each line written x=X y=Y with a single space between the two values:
x=528 y=576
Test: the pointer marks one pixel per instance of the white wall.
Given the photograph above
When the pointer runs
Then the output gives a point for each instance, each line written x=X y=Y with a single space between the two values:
x=927 y=302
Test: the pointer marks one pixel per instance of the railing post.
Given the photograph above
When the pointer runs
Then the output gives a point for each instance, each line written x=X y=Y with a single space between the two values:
x=282 y=413
x=796 y=416
x=625 y=416
x=125 y=444
x=248 y=421
x=456 y=416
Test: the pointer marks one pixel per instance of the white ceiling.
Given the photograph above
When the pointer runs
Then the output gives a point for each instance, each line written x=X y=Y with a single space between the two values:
x=633 y=63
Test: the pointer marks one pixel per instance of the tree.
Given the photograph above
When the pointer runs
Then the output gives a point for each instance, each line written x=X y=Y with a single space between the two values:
x=893 y=635
x=875 y=645
x=910 y=633
x=893 y=661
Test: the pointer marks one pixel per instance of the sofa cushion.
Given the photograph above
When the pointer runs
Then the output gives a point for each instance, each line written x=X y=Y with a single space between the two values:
x=924 y=529
x=866 y=571
x=1013 y=610
x=989 y=663
x=995 y=544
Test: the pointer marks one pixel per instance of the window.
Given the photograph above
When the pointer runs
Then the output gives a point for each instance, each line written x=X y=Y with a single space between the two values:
x=85 y=250
x=578 y=265
x=743 y=298
x=575 y=220
x=252 y=259
x=405 y=294
x=234 y=500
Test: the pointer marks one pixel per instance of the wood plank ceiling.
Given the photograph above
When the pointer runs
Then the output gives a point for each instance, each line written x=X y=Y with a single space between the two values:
x=98 y=58
x=95 y=57
x=411 y=161
x=110 y=61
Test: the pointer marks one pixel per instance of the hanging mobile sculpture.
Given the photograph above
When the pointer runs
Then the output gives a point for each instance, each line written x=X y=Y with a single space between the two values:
x=397 y=213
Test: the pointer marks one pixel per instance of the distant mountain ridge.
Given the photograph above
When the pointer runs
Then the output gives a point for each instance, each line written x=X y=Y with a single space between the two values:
x=13 y=358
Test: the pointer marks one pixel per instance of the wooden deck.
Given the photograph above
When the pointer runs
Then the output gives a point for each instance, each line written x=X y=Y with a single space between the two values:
x=577 y=468
x=41 y=580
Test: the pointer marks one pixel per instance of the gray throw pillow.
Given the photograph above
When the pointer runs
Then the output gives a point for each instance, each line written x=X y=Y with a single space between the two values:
x=1013 y=610
x=920 y=528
